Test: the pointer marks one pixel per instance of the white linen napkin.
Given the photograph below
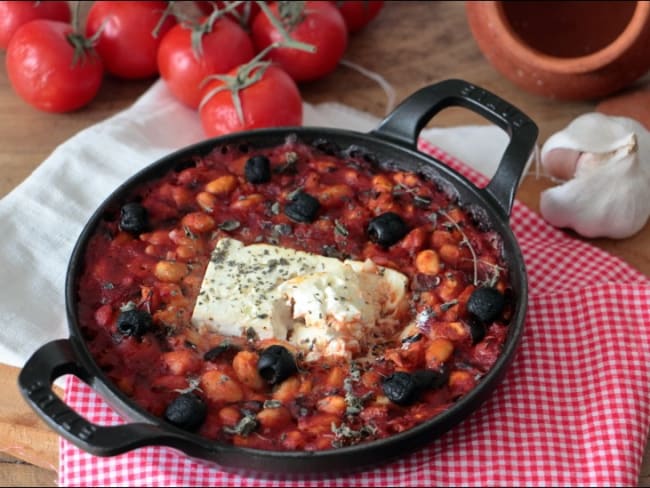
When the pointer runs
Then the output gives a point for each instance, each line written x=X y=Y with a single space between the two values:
x=43 y=216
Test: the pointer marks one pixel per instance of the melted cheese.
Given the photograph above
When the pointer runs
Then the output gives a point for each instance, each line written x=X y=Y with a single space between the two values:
x=320 y=304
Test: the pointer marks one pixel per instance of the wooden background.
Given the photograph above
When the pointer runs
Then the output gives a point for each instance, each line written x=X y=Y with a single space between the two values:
x=411 y=44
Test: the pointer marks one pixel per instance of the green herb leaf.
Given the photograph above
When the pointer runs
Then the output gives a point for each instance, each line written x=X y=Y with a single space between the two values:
x=229 y=225
x=244 y=427
x=340 y=229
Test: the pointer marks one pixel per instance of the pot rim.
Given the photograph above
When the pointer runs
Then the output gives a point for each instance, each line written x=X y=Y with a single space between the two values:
x=639 y=21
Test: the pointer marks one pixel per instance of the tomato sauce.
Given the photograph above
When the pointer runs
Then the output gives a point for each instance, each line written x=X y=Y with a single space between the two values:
x=441 y=347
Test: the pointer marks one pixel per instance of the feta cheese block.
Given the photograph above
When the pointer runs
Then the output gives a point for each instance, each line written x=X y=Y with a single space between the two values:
x=320 y=304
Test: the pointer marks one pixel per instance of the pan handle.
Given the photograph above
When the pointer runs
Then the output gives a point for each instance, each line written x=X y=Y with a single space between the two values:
x=404 y=124
x=56 y=359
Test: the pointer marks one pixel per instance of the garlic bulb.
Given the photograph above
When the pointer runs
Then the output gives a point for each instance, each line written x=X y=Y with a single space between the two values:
x=605 y=163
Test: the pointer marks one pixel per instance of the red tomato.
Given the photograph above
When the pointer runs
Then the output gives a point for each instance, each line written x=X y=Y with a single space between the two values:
x=357 y=14
x=245 y=12
x=14 y=14
x=126 y=44
x=226 y=46
x=319 y=24
x=41 y=70
x=272 y=101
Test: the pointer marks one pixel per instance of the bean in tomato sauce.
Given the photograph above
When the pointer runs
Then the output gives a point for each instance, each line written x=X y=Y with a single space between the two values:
x=241 y=389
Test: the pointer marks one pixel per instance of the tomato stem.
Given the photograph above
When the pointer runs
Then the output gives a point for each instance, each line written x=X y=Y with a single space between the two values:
x=198 y=31
x=82 y=45
x=291 y=13
x=169 y=10
x=287 y=40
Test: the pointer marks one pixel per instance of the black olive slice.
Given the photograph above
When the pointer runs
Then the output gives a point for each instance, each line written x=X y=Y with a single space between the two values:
x=134 y=322
x=476 y=330
x=387 y=229
x=404 y=388
x=302 y=208
x=400 y=388
x=485 y=304
x=219 y=350
x=134 y=218
x=276 y=364
x=427 y=379
x=187 y=411
x=258 y=169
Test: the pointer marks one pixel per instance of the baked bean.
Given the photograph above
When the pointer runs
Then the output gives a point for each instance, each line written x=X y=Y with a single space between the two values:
x=236 y=166
x=450 y=287
x=323 y=442
x=172 y=271
x=335 y=378
x=456 y=215
x=408 y=357
x=334 y=404
x=207 y=201
x=157 y=238
x=287 y=390
x=180 y=237
x=438 y=352
x=182 y=196
x=318 y=424
x=429 y=298
x=407 y=179
x=427 y=262
x=273 y=418
x=190 y=176
x=198 y=222
x=461 y=382
x=248 y=202
x=293 y=440
x=185 y=252
x=382 y=184
x=220 y=387
x=384 y=202
x=222 y=185
x=229 y=416
x=450 y=253
x=414 y=240
x=456 y=332
x=441 y=237
x=245 y=366
x=181 y=362
x=371 y=379
x=351 y=177
x=333 y=195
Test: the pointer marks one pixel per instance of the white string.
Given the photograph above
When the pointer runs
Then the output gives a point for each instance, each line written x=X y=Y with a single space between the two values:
x=387 y=87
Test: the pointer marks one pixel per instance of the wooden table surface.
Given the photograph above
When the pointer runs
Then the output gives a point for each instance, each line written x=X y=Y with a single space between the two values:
x=411 y=44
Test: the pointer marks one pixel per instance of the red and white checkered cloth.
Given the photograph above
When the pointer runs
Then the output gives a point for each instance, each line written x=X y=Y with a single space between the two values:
x=574 y=409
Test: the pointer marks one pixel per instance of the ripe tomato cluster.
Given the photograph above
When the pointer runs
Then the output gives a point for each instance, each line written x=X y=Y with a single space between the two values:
x=238 y=63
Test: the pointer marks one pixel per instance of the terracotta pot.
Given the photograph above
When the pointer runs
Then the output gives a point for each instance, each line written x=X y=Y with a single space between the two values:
x=568 y=50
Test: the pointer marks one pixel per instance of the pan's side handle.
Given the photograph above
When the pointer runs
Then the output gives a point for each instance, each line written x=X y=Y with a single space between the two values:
x=56 y=359
x=404 y=124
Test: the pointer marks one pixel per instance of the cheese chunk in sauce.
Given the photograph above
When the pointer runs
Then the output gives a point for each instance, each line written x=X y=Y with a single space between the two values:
x=323 y=305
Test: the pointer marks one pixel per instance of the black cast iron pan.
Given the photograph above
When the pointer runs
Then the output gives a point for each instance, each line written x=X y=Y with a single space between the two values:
x=393 y=143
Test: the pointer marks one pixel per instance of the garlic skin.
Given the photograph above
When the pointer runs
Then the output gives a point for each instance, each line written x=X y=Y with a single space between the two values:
x=605 y=163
